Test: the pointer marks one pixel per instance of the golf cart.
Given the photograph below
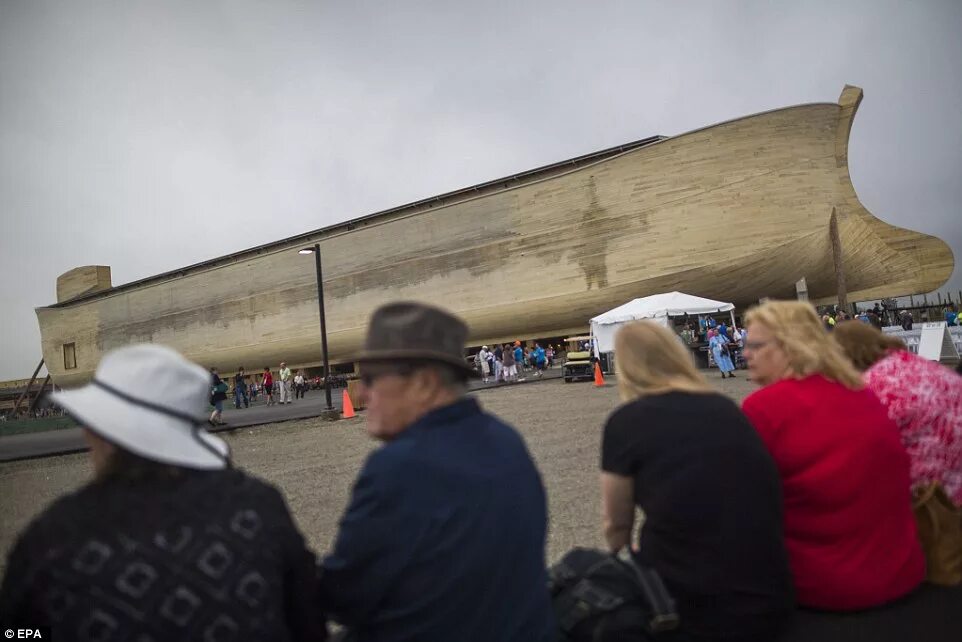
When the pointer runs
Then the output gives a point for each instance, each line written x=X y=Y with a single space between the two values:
x=578 y=365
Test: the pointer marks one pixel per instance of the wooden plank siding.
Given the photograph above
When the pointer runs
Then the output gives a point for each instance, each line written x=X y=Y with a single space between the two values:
x=735 y=211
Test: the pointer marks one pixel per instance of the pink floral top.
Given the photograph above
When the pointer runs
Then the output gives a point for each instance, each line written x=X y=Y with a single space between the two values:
x=924 y=399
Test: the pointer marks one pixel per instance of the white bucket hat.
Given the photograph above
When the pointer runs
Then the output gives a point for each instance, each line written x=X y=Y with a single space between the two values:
x=150 y=400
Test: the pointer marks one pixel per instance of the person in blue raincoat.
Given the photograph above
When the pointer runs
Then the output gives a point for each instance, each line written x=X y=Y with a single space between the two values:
x=719 y=349
x=519 y=357
x=539 y=359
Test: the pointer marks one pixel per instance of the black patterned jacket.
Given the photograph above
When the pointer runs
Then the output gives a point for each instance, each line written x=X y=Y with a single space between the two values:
x=207 y=555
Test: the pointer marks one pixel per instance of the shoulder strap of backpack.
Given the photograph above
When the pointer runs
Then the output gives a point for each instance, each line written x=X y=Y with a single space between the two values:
x=664 y=616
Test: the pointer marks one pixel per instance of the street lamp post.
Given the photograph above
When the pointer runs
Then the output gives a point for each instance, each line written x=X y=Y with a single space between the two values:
x=316 y=251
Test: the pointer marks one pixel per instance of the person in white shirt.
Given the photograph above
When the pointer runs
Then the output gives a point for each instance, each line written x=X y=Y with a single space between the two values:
x=285 y=383
x=299 y=385
x=485 y=366
x=738 y=336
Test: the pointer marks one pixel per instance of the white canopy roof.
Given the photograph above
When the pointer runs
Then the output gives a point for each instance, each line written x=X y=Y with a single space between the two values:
x=669 y=304
x=657 y=306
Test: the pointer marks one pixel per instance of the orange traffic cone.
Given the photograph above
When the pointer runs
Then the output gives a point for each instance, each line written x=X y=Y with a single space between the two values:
x=599 y=378
x=348 y=406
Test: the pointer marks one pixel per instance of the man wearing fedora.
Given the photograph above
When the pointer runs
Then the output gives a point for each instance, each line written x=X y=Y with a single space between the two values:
x=168 y=542
x=443 y=538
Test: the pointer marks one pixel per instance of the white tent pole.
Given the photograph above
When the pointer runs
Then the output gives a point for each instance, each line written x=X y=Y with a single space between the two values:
x=732 y=312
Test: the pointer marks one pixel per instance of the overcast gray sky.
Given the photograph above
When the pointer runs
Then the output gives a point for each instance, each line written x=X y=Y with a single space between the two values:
x=151 y=135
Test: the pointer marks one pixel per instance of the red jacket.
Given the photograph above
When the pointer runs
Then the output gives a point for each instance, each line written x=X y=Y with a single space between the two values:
x=849 y=527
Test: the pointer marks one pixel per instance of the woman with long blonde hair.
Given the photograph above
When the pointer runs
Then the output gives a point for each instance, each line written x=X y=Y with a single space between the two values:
x=689 y=459
x=849 y=528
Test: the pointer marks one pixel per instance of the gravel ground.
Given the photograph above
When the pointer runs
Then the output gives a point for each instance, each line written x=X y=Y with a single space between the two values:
x=315 y=462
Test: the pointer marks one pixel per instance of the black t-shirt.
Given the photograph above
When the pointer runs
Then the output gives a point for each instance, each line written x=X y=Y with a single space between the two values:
x=712 y=502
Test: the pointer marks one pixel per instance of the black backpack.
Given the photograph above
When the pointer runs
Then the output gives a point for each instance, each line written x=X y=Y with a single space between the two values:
x=600 y=597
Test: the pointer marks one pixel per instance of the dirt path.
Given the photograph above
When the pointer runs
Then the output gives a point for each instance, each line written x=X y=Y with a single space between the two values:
x=315 y=462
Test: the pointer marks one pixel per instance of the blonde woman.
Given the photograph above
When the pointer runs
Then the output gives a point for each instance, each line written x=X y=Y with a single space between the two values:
x=849 y=528
x=687 y=457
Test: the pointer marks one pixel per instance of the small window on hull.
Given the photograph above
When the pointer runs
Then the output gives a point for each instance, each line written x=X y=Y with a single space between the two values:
x=69 y=356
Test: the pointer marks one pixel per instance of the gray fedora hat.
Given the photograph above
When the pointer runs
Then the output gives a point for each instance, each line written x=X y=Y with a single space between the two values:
x=411 y=331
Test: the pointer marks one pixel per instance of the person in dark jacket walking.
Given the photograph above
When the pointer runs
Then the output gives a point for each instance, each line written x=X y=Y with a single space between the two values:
x=218 y=393
x=240 y=389
x=905 y=319
x=168 y=542
x=444 y=535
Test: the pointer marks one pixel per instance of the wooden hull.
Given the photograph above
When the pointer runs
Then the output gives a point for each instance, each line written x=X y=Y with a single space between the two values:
x=736 y=211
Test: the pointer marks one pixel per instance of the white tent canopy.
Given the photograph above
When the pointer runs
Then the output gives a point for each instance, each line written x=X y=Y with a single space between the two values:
x=657 y=307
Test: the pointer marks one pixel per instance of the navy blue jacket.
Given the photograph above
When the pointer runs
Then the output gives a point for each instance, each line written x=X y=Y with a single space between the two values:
x=444 y=537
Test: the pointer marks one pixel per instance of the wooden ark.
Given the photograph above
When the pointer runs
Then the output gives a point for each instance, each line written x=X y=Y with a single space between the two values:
x=735 y=211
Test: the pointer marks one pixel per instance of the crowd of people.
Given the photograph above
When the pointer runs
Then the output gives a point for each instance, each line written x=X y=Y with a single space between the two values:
x=246 y=388
x=42 y=412
x=726 y=344
x=881 y=316
x=509 y=363
x=800 y=497
x=723 y=342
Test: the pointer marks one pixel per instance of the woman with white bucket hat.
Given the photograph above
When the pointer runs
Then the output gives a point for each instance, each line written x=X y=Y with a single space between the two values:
x=168 y=542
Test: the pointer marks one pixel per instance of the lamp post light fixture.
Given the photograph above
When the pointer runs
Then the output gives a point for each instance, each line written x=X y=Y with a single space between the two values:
x=316 y=251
